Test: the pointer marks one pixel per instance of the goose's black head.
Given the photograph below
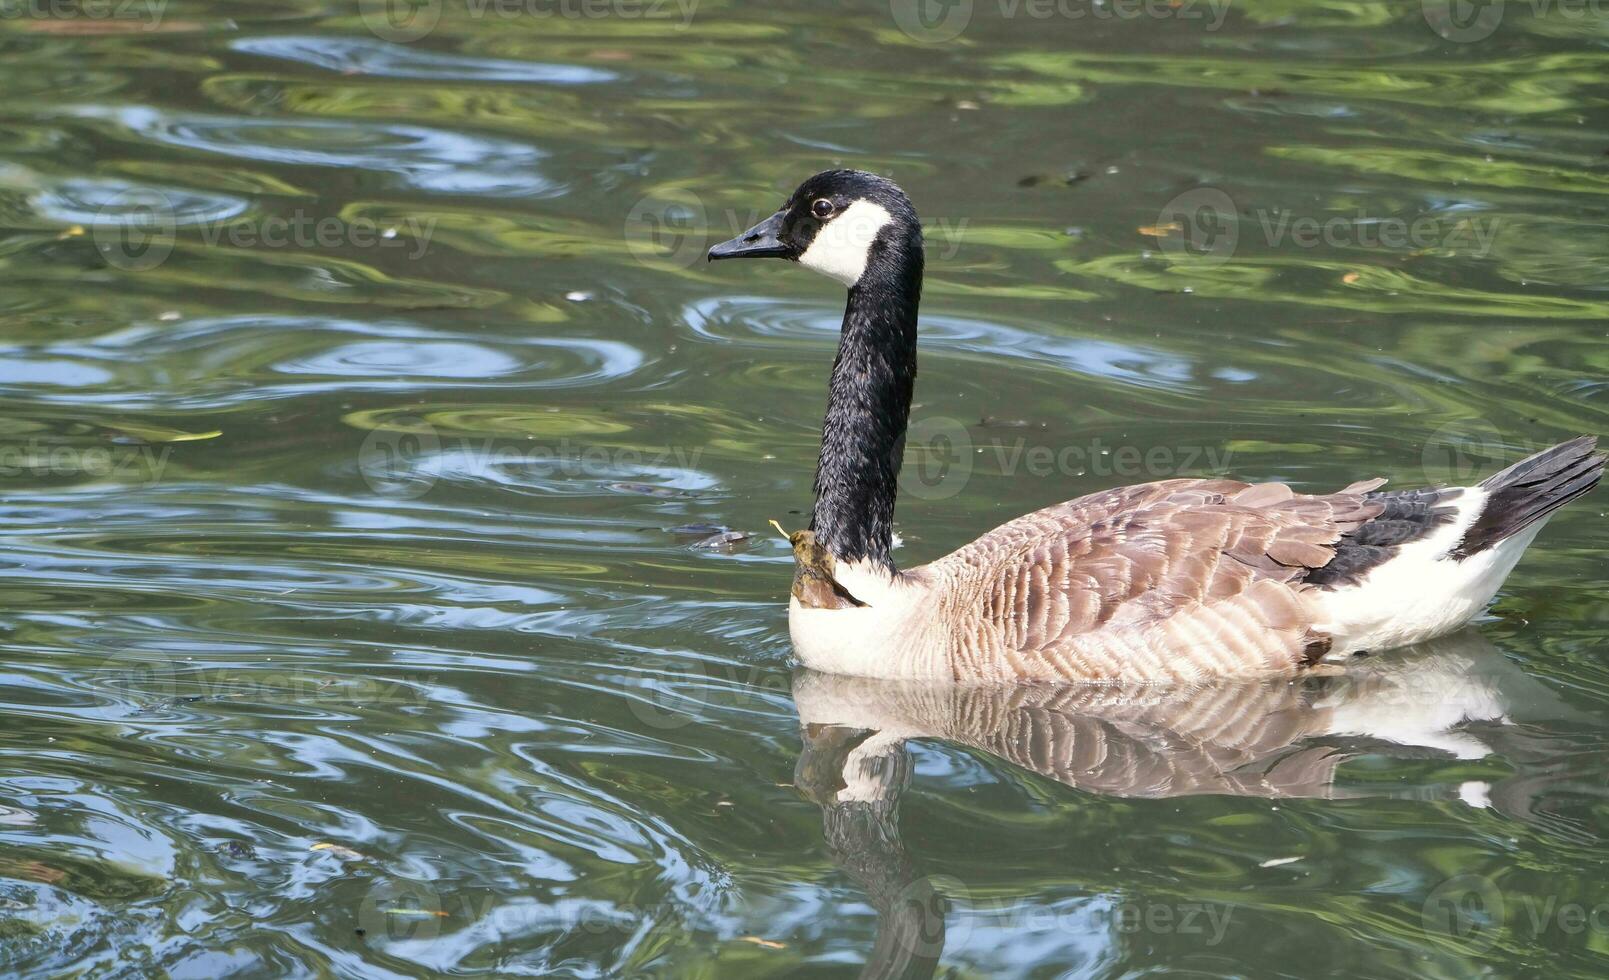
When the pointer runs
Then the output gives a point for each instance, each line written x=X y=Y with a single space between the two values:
x=840 y=223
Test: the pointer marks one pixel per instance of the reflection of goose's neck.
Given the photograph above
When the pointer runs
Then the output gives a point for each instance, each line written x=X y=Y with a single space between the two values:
x=869 y=404
x=858 y=778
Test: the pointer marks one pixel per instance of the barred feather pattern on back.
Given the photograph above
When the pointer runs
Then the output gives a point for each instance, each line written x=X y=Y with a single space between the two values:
x=1168 y=581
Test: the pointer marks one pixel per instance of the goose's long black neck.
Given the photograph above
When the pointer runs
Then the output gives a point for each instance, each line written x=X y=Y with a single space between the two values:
x=868 y=406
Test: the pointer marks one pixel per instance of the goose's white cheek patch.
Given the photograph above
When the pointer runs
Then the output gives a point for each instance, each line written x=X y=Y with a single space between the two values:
x=842 y=245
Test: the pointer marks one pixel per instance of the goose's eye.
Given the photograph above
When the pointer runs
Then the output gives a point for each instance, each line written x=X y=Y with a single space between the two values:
x=822 y=208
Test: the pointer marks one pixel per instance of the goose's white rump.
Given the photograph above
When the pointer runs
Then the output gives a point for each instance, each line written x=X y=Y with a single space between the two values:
x=1186 y=579
x=1422 y=593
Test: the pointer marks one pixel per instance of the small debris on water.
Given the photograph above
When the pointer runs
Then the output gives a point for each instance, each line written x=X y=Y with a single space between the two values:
x=723 y=541
x=646 y=490
x=698 y=530
x=344 y=853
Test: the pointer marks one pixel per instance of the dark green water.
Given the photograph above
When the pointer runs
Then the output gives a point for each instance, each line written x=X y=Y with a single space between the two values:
x=357 y=378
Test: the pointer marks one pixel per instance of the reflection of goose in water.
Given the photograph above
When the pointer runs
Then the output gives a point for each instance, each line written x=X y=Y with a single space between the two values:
x=1455 y=696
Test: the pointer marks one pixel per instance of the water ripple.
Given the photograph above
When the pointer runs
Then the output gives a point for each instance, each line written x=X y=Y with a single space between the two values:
x=436 y=160
x=365 y=57
x=759 y=320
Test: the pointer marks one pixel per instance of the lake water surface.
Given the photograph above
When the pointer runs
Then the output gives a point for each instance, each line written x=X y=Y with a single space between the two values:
x=372 y=425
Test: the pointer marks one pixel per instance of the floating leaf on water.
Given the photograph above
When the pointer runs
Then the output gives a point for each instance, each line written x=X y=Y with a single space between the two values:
x=161 y=433
x=344 y=853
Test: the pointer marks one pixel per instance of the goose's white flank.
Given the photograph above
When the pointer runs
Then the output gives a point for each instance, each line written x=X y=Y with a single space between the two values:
x=1171 y=581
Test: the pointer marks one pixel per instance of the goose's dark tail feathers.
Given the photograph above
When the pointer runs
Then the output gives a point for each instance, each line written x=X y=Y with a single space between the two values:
x=1532 y=489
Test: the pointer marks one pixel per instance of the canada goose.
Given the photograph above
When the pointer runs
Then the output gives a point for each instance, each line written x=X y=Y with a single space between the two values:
x=1168 y=581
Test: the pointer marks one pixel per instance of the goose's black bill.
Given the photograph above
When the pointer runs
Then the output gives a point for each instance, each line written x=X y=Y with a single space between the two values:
x=759 y=242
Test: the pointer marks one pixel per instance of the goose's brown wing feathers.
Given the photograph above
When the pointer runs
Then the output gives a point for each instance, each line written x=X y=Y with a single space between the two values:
x=1166 y=581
